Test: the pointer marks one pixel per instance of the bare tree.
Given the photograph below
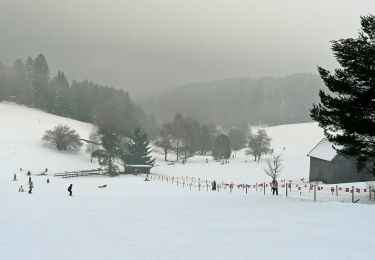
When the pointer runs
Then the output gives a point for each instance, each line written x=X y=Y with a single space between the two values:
x=165 y=138
x=274 y=166
x=259 y=144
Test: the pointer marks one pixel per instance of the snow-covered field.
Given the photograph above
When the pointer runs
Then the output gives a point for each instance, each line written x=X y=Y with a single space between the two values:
x=293 y=142
x=133 y=219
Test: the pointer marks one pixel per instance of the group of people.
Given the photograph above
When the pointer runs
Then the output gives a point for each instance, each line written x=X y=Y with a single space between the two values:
x=274 y=187
x=31 y=184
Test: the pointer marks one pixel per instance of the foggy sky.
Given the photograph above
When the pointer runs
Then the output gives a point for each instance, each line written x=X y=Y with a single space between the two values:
x=146 y=46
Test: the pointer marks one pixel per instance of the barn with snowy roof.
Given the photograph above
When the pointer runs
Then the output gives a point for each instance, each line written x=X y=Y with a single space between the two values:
x=328 y=166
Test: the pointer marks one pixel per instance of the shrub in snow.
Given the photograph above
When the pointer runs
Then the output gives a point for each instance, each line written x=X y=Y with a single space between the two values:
x=63 y=138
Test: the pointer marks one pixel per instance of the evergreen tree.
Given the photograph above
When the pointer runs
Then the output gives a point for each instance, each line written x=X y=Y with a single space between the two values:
x=138 y=149
x=29 y=62
x=347 y=114
x=221 y=148
x=40 y=79
x=205 y=140
x=109 y=151
x=5 y=84
x=59 y=93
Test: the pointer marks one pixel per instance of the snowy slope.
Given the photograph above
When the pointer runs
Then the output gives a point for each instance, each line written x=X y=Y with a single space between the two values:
x=21 y=130
x=293 y=142
x=133 y=219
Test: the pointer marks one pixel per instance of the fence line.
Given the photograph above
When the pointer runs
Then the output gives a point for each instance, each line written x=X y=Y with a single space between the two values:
x=294 y=188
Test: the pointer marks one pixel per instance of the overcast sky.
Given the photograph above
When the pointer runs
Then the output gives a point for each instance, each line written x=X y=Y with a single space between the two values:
x=150 y=45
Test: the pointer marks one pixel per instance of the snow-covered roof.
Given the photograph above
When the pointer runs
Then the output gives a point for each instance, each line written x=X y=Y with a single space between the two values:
x=323 y=150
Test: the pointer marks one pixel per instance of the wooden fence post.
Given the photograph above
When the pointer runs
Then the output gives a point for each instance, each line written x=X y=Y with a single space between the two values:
x=264 y=188
x=337 y=191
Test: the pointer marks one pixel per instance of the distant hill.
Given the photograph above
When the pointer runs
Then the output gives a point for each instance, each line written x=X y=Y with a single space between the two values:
x=269 y=100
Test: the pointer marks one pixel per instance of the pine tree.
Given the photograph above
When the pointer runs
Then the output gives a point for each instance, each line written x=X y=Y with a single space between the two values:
x=347 y=115
x=40 y=79
x=221 y=149
x=109 y=150
x=139 y=150
x=59 y=93
x=205 y=139
x=29 y=62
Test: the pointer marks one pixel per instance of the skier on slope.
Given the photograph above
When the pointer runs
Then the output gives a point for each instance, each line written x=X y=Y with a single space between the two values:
x=70 y=190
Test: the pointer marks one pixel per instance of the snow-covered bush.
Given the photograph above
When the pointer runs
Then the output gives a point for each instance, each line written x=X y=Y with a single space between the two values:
x=63 y=138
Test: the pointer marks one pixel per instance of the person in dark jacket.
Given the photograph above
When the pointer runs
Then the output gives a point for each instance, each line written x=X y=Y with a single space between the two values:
x=14 y=177
x=214 y=185
x=275 y=187
x=29 y=180
x=31 y=186
x=70 y=190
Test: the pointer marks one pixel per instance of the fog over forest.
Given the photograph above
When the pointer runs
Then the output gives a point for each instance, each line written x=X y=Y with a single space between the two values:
x=146 y=47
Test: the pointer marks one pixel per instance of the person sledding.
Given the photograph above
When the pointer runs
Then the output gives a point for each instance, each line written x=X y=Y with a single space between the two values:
x=70 y=189
x=102 y=186
x=20 y=189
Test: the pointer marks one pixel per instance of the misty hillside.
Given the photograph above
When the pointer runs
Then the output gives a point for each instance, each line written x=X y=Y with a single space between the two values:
x=269 y=100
